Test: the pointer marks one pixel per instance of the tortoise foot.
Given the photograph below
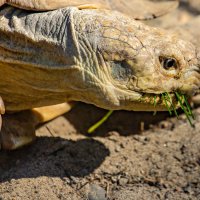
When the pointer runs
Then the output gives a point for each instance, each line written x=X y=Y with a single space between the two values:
x=18 y=130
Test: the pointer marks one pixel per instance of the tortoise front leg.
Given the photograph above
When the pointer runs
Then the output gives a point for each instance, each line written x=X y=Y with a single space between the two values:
x=47 y=113
x=18 y=129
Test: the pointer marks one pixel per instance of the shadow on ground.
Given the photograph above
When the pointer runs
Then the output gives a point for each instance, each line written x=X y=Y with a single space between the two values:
x=82 y=116
x=53 y=157
x=60 y=157
x=160 y=163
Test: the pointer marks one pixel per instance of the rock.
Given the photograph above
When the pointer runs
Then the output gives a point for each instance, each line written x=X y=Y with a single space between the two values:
x=96 y=193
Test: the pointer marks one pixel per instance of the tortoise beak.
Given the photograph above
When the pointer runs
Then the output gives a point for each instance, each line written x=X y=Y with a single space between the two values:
x=194 y=75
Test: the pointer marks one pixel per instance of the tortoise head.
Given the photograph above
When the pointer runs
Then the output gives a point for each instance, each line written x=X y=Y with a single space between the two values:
x=135 y=62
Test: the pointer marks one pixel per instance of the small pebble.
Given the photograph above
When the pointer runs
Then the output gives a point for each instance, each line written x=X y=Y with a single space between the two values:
x=96 y=193
x=123 y=181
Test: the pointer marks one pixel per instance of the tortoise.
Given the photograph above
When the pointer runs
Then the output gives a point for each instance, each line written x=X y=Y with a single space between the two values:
x=85 y=52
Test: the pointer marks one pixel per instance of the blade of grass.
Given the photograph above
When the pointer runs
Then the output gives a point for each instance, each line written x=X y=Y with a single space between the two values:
x=100 y=122
x=181 y=103
x=170 y=100
x=166 y=104
x=188 y=107
x=154 y=104
x=154 y=113
x=183 y=108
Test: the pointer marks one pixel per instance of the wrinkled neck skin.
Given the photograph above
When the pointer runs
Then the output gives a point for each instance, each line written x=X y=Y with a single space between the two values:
x=43 y=60
x=51 y=57
x=38 y=56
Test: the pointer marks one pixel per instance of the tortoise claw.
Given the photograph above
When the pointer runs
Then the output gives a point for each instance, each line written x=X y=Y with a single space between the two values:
x=2 y=107
x=2 y=110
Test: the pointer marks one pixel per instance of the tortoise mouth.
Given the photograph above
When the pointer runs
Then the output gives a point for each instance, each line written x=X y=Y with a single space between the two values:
x=165 y=99
x=171 y=102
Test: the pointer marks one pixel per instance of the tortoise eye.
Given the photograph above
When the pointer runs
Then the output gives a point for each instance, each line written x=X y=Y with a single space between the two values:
x=169 y=66
x=168 y=63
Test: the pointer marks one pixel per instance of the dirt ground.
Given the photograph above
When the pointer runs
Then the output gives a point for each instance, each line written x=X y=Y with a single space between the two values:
x=120 y=161
x=133 y=156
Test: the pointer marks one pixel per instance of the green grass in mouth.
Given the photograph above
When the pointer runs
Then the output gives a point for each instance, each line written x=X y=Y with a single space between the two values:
x=184 y=104
x=154 y=104
x=169 y=104
x=181 y=98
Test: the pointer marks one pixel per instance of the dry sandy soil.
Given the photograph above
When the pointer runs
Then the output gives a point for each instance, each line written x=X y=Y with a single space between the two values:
x=120 y=161
x=133 y=156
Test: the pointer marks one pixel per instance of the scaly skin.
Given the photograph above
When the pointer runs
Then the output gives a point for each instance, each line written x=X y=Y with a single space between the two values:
x=95 y=56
